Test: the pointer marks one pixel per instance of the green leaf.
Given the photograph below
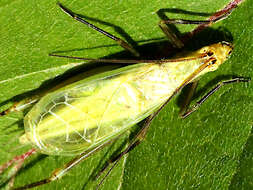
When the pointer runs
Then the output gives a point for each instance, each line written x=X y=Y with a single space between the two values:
x=211 y=149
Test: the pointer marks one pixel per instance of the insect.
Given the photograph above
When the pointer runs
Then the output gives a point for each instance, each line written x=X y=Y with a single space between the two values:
x=123 y=97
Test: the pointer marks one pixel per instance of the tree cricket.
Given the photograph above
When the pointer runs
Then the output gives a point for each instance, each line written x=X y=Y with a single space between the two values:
x=65 y=121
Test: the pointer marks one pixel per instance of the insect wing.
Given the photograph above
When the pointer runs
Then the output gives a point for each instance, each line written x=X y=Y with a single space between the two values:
x=90 y=112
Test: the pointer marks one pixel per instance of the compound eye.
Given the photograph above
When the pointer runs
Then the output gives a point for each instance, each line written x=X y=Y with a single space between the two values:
x=209 y=53
x=214 y=61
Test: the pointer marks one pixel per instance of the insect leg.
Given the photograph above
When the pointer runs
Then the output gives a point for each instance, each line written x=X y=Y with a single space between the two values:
x=173 y=38
x=21 y=105
x=219 y=15
x=217 y=87
x=60 y=172
x=135 y=142
x=189 y=95
x=202 y=24
x=119 y=41
x=9 y=169
x=211 y=20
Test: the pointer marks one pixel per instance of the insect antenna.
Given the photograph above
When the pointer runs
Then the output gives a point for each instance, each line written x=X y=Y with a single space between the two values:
x=131 y=61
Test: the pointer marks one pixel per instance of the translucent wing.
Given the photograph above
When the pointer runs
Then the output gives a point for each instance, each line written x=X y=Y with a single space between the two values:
x=90 y=112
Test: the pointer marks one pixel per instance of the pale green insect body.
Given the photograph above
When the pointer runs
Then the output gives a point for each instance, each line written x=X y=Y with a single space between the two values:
x=93 y=111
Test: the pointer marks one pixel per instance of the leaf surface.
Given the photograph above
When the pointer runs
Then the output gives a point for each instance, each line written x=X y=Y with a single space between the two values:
x=211 y=149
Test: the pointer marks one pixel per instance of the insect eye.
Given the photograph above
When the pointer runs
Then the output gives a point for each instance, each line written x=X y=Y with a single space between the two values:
x=210 y=53
x=213 y=62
